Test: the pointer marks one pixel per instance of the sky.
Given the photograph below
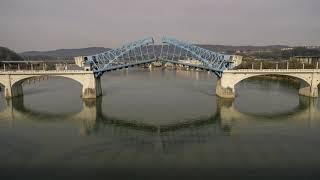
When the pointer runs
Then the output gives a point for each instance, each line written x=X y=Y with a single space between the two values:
x=60 y=24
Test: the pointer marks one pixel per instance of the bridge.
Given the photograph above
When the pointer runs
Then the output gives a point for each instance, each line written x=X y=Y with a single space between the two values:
x=172 y=51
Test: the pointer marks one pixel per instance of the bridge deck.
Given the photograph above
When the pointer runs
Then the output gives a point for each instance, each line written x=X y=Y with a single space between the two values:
x=42 y=72
x=273 y=70
x=192 y=65
x=239 y=71
x=126 y=65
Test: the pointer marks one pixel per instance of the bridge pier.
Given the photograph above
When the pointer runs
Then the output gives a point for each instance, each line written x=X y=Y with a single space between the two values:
x=310 y=89
x=13 y=91
x=10 y=90
x=91 y=88
x=225 y=92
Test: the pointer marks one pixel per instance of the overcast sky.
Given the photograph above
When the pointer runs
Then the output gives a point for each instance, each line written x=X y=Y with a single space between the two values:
x=54 y=24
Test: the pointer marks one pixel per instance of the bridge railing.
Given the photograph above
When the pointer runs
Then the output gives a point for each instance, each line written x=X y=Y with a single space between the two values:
x=43 y=66
x=294 y=64
x=273 y=70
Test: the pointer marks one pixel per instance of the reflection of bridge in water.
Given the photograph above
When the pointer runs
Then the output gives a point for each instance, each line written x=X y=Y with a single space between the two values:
x=92 y=119
x=110 y=136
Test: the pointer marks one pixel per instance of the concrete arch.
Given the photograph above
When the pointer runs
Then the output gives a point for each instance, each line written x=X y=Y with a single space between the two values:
x=226 y=84
x=91 y=86
x=304 y=79
x=22 y=79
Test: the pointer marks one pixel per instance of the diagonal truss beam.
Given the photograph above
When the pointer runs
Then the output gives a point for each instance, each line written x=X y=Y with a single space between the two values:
x=100 y=63
x=143 y=52
x=217 y=62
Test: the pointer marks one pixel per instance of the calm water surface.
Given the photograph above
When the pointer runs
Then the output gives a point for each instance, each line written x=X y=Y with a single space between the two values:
x=160 y=119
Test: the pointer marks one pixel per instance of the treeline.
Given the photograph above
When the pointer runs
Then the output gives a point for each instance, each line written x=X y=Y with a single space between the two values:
x=9 y=55
x=41 y=58
x=284 y=54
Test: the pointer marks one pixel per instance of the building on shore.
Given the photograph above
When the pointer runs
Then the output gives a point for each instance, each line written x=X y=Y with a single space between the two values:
x=79 y=61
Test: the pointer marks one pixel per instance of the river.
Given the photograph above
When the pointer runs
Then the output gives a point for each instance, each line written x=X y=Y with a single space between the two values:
x=160 y=120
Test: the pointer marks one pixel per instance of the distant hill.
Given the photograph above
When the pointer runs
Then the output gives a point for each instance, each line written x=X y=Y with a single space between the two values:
x=225 y=48
x=70 y=53
x=62 y=53
x=9 y=55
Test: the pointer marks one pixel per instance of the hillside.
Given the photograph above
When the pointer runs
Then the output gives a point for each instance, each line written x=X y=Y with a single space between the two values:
x=225 y=48
x=62 y=53
x=70 y=53
x=9 y=55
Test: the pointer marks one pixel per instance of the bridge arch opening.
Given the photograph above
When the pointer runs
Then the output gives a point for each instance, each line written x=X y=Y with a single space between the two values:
x=287 y=80
x=56 y=93
x=294 y=80
x=22 y=80
x=279 y=93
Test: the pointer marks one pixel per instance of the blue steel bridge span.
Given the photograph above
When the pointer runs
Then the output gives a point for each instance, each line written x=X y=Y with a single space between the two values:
x=171 y=50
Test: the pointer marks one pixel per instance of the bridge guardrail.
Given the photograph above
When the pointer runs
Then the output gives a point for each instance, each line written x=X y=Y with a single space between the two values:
x=274 y=70
x=44 y=71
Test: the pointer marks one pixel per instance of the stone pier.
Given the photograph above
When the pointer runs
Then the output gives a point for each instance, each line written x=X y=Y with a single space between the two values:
x=11 y=90
x=91 y=88
x=225 y=92
x=310 y=89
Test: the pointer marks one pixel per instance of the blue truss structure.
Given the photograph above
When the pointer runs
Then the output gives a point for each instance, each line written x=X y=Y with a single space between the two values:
x=131 y=54
x=172 y=51
x=179 y=50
